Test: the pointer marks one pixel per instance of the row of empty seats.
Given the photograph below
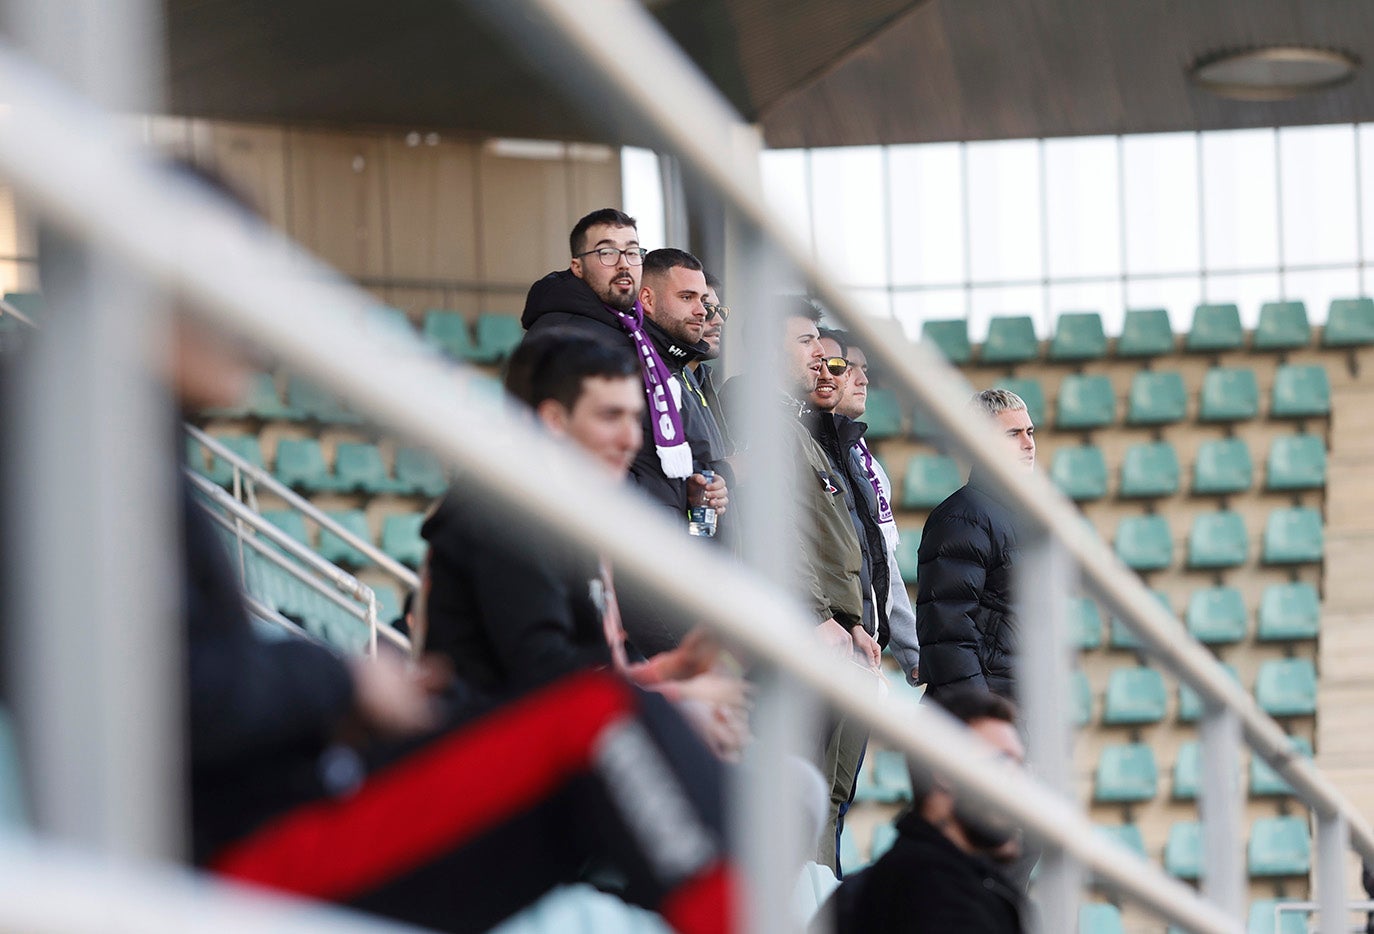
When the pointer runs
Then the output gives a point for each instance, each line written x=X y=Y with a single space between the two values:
x=1218 y=540
x=1137 y=695
x=1102 y=918
x=1216 y=328
x=300 y=464
x=1127 y=773
x=1216 y=616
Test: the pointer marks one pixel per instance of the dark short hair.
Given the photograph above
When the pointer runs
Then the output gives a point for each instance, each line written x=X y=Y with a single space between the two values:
x=965 y=705
x=554 y=364
x=805 y=308
x=577 y=240
x=657 y=262
x=838 y=336
x=715 y=285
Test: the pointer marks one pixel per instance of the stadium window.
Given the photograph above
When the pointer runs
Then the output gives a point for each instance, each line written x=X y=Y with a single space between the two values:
x=847 y=204
x=1240 y=201
x=1317 y=166
x=926 y=203
x=1160 y=193
x=785 y=189
x=1083 y=223
x=914 y=307
x=1004 y=199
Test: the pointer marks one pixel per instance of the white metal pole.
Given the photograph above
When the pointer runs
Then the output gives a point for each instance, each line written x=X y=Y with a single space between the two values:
x=1219 y=806
x=1333 y=842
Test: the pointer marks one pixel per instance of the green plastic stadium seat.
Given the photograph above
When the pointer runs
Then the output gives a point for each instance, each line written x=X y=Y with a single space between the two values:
x=1187 y=772
x=1293 y=536
x=1215 y=328
x=884 y=835
x=1031 y=393
x=497 y=336
x=1010 y=340
x=1081 y=698
x=309 y=402
x=883 y=415
x=448 y=332
x=289 y=521
x=1081 y=472
x=1156 y=398
x=1216 y=615
x=1287 y=687
x=1085 y=401
x=30 y=304
x=1296 y=462
x=1134 y=696
x=419 y=472
x=884 y=778
x=951 y=338
x=1264 y=781
x=851 y=860
x=1288 y=612
x=1223 y=466
x=1262 y=918
x=300 y=465
x=907 y=548
x=1079 y=336
x=1190 y=705
x=265 y=402
x=401 y=539
x=1099 y=918
x=1145 y=333
x=359 y=467
x=388 y=602
x=1149 y=470
x=1128 y=835
x=1125 y=773
x=383 y=319
x=1229 y=394
x=1218 y=540
x=1086 y=622
x=335 y=549
x=1300 y=392
x=195 y=456
x=1282 y=326
x=1279 y=846
x=1125 y=638
x=1349 y=323
x=1145 y=543
x=928 y=480
x=1183 y=850
x=246 y=447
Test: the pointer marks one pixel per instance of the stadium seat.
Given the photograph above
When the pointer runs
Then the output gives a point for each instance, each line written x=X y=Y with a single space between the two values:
x=1218 y=540
x=1287 y=687
x=951 y=338
x=1010 y=340
x=883 y=415
x=1134 y=696
x=1279 y=846
x=289 y=521
x=1187 y=772
x=1145 y=333
x=308 y=402
x=1293 y=536
x=885 y=778
x=265 y=402
x=335 y=550
x=1145 y=542
x=1229 y=394
x=1300 y=392
x=1349 y=323
x=1216 y=615
x=1086 y=622
x=401 y=538
x=1288 y=612
x=359 y=467
x=884 y=835
x=30 y=304
x=419 y=472
x=1126 y=639
x=1081 y=698
x=1128 y=835
x=1156 y=398
x=1264 y=781
x=195 y=456
x=1263 y=920
x=448 y=332
x=1215 y=328
x=1183 y=850
x=300 y=465
x=1296 y=462
x=1190 y=705
x=497 y=336
x=1223 y=466
x=907 y=559
x=851 y=860
x=384 y=319
x=1078 y=336
x=1149 y=470
x=1031 y=393
x=245 y=446
x=388 y=602
x=928 y=480
x=1085 y=401
x=1099 y=918
x=1282 y=326
x=1081 y=472
x=1126 y=773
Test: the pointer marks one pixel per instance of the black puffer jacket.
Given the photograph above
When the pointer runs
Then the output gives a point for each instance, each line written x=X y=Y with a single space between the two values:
x=965 y=620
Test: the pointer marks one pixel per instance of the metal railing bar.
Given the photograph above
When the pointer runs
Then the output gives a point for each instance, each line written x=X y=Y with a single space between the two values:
x=7 y=309
x=262 y=478
x=264 y=612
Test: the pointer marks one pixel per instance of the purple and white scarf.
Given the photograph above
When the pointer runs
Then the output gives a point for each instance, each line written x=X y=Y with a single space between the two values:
x=670 y=441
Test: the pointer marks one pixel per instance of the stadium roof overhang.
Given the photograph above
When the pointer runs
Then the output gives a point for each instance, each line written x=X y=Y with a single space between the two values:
x=810 y=72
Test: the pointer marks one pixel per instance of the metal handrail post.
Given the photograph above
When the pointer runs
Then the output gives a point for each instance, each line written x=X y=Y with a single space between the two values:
x=1219 y=806
x=1333 y=842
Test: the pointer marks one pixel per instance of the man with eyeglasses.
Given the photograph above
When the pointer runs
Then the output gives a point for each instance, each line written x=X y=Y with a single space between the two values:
x=700 y=370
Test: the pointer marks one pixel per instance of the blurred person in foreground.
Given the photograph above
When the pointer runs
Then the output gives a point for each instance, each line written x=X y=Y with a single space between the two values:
x=965 y=611
x=348 y=780
x=945 y=872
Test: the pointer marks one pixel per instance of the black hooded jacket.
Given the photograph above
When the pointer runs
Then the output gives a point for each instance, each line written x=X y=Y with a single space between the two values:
x=965 y=618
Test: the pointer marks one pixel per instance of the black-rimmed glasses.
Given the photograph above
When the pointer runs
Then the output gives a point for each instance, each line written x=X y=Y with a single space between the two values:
x=609 y=255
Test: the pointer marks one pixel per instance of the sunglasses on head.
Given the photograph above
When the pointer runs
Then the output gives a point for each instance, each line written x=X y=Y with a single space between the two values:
x=837 y=366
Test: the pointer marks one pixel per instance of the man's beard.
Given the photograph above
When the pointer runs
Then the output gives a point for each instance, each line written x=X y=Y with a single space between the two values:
x=619 y=302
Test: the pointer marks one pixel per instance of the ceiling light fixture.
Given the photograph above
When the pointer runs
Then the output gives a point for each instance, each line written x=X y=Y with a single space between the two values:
x=1272 y=73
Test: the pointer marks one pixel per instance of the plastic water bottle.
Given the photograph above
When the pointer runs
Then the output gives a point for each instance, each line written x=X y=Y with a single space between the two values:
x=701 y=520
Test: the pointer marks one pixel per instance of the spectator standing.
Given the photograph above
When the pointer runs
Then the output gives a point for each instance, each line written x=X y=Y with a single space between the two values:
x=702 y=370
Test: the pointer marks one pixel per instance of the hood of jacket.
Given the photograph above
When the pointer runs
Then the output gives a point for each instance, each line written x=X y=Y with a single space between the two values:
x=563 y=292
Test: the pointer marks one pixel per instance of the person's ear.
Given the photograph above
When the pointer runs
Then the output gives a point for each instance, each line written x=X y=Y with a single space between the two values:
x=576 y=267
x=646 y=298
x=554 y=416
